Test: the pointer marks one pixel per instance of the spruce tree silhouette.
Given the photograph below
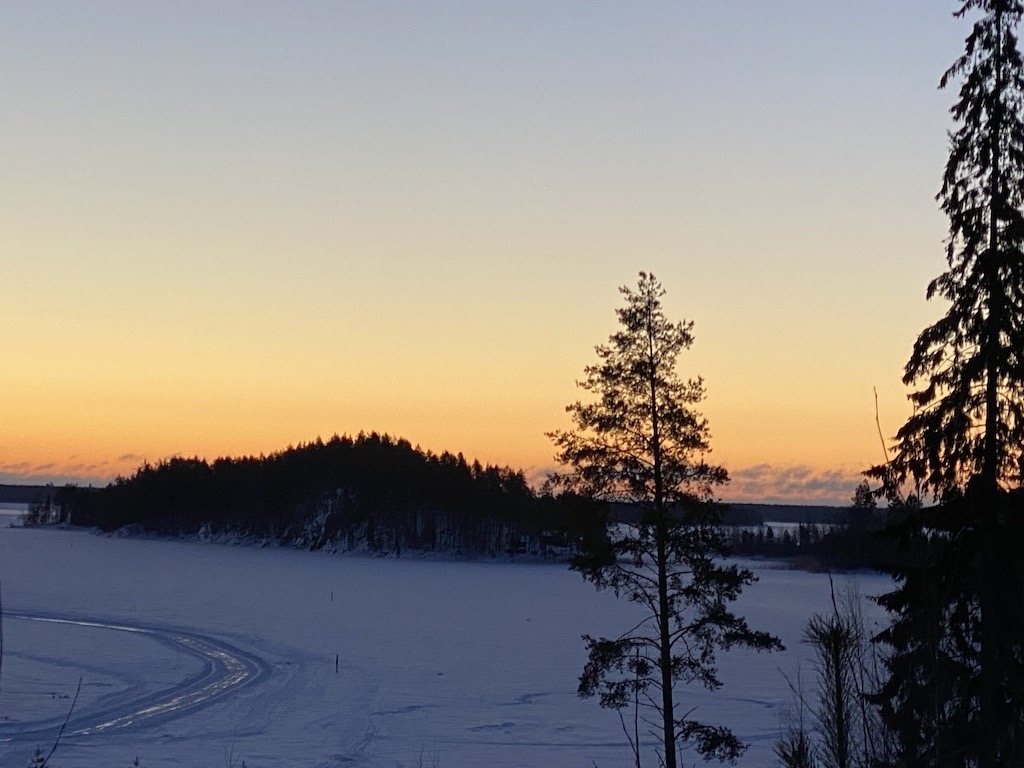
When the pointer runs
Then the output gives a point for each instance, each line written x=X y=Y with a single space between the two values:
x=955 y=692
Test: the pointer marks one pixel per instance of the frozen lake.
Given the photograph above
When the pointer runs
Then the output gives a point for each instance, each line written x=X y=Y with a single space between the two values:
x=10 y=514
x=460 y=663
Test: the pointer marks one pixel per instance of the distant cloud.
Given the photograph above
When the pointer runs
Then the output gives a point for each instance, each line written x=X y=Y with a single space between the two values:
x=97 y=473
x=24 y=473
x=793 y=484
x=767 y=483
x=84 y=469
x=76 y=472
x=536 y=476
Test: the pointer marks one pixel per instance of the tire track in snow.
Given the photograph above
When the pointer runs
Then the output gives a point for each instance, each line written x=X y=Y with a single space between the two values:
x=225 y=670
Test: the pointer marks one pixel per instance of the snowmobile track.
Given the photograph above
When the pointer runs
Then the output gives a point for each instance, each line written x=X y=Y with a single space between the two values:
x=225 y=670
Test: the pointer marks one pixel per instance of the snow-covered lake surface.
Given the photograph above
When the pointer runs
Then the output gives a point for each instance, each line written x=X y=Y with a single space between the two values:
x=202 y=654
x=11 y=514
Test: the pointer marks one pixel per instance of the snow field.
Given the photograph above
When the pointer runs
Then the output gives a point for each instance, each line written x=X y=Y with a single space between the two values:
x=465 y=663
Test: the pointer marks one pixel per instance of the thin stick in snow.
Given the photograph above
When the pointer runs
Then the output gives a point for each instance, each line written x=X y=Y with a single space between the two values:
x=60 y=733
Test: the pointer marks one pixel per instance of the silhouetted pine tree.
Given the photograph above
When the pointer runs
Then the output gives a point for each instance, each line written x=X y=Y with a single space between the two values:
x=954 y=692
x=643 y=442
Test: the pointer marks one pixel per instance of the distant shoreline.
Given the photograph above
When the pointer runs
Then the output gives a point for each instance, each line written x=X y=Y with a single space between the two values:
x=782 y=513
x=23 y=494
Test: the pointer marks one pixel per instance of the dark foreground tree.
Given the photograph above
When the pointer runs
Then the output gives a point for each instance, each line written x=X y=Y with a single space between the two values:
x=641 y=441
x=955 y=690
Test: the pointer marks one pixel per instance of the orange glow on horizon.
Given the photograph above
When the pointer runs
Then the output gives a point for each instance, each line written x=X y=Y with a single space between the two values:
x=414 y=220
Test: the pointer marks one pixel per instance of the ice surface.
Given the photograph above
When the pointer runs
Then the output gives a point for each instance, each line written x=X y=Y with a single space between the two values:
x=460 y=663
x=11 y=514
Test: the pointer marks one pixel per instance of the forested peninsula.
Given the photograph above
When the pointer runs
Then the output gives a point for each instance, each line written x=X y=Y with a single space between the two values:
x=379 y=493
x=369 y=492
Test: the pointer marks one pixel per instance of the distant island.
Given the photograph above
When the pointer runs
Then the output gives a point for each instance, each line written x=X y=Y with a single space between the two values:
x=377 y=493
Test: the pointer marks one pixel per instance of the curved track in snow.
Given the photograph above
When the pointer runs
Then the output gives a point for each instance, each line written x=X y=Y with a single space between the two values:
x=225 y=669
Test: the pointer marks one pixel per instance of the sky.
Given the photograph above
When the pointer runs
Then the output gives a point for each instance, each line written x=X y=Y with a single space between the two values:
x=231 y=227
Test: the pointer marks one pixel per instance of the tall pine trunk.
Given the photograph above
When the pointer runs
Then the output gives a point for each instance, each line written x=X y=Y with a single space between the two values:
x=988 y=575
x=661 y=534
x=667 y=704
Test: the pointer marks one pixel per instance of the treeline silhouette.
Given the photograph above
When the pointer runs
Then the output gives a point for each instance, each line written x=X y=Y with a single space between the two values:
x=372 y=491
x=22 y=494
x=380 y=493
x=857 y=538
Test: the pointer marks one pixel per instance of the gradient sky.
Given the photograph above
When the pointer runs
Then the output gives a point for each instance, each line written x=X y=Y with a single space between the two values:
x=230 y=227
